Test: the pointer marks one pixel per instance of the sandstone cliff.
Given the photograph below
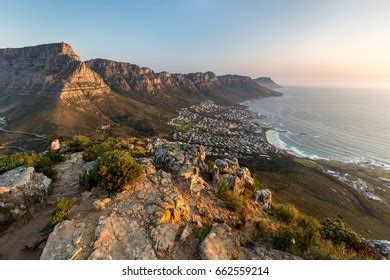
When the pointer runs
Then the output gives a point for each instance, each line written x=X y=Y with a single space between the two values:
x=45 y=70
x=130 y=78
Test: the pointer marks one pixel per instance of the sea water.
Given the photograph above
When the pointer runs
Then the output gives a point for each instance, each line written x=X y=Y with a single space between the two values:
x=344 y=124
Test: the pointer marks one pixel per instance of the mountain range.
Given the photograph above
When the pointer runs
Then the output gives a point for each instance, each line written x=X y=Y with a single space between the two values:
x=48 y=90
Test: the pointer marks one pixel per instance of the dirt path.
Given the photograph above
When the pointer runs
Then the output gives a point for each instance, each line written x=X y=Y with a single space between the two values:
x=39 y=136
x=27 y=242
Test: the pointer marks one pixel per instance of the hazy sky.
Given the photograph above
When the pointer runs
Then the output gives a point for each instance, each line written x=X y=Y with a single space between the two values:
x=291 y=39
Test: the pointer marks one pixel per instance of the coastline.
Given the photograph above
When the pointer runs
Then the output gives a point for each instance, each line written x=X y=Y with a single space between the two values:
x=272 y=135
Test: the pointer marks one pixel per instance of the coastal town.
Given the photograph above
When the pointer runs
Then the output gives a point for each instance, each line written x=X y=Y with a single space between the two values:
x=231 y=131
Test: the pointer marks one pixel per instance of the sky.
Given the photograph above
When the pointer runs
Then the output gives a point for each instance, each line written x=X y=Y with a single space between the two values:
x=290 y=40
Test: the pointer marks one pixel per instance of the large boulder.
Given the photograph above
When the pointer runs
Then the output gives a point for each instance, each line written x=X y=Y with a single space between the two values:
x=22 y=193
x=64 y=242
x=219 y=244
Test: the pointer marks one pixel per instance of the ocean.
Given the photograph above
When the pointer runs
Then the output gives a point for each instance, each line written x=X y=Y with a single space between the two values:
x=349 y=125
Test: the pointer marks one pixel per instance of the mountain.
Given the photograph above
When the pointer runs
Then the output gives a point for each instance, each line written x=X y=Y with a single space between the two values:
x=267 y=83
x=48 y=90
x=175 y=89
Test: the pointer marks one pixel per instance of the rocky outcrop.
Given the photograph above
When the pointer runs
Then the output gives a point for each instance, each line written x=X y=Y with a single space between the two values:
x=184 y=160
x=230 y=171
x=160 y=216
x=22 y=193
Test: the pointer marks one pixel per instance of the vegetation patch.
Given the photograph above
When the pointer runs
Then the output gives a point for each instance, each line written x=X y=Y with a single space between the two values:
x=221 y=187
x=285 y=212
x=305 y=162
x=115 y=169
x=42 y=163
x=204 y=231
x=63 y=208
x=78 y=143
x=305 y=236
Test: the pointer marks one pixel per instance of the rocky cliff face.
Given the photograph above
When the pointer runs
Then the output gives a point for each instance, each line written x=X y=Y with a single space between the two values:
x=130 y=78
x=50 y=70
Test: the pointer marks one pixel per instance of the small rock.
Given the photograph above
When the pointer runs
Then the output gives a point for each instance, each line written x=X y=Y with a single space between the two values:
x=100 y=204
x=264 y=198
x=186 y=232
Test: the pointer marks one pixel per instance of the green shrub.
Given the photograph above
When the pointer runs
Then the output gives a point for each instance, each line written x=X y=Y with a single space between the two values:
x=78 y=143
x=263 y=230
x=286 y=240
x=8 y=162
x=98 y=148
x=61 y=212
x=340 y=233
x=42 y=163
x=337 y=231
x=285 y=212
x=117 y=168
x=221 y=187
x=204 y=231
x=94 y=151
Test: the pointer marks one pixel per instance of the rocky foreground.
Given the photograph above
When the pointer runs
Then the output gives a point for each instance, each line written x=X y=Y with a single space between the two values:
x=163 y=215
x=158 y=216
x=173 y=211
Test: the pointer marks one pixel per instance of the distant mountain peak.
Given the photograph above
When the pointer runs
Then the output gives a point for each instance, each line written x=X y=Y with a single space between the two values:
x=266 y=82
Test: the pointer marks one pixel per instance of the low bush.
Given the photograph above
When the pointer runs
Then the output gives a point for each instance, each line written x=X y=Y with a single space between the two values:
x=115 y=169
x=8 y=162
x=263 y=230
x=98 y=148
x=340 y=233
x=78 y=143
x=285 y=212
x=307 y=237
x=42 y=163
x=61 y=212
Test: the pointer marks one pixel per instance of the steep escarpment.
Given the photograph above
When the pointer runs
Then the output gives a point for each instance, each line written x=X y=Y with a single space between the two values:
x=47 y=89
x=50 y=71
x=129 y=78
